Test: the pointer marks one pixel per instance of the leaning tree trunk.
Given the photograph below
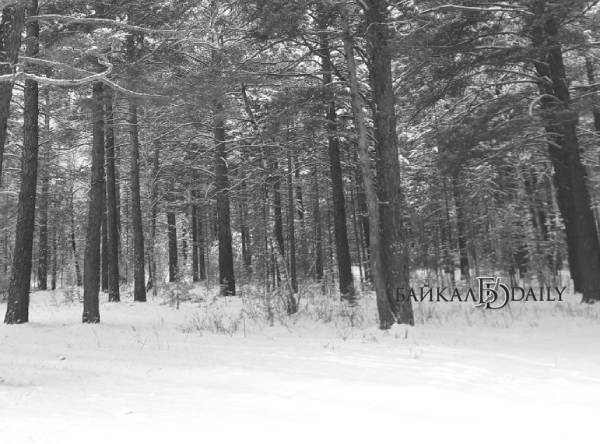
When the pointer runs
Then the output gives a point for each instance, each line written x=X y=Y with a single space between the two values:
x=139 y=273
x=342 y=248
x=393 y=242
x=570 y=176
x=111 y=202
x=226 y=273
x=91 y=262
x=43 y=254
x=17 y=308
x=11 y=29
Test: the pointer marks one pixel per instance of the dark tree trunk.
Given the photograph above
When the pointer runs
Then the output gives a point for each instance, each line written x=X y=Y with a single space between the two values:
x=392 y=221
x=194 y=228
x=54 y=272
x=226 y=272
x=153 y=219
x=291 y=225
x=43 y=254
x=299 y=194
x=318 y=230
x=461 y=229
x=17 y=308
x=184 y=246
x=201 y=242
x=277 y=210
x=112 y=210
x=74 y=248
x=139 y=272
x=342 y=248
x=172 y=236
x=245 y=230
x=591 y=76
x=91 y=262
x=11 y=29
x=104 y=244
x=363 y=214
x=570 y=176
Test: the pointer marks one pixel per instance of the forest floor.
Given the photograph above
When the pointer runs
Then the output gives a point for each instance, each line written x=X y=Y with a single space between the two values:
x=151 y=373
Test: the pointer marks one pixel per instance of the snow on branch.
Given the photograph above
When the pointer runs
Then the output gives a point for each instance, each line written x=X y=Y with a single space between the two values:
x=491 y=8
x=89 y=76
x=100 y=22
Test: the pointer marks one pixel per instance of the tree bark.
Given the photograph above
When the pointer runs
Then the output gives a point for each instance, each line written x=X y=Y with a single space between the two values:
x=342 y=248
x=461 y=229
x=74 y=248
x=172 y=236
x=139 y=272
x=91 y=262
x=226 y=272
x=201 y=243
x=194 y=228
x=152 y=283
x=277 y=210
x=591 y=77
x=111 y=202
x=570 y=176
x=44 y=203
x=17 y=308
x=393 y=243
x=318 y=230
x=11 y=28
x=104 y=243
x=291 y=223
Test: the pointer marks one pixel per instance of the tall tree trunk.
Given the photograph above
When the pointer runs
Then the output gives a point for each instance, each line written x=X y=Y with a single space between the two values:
x=194 y=228
x=44 y=202
x=74 y=248
x=392 y=228
x=570 y=175
x=91 y=262
x=172 y=236
x=17 y=308
x=591 y=77
x=153 y=219
x=11 y=29
x=139 y=272
x=201 y=243
x=363 y=212
x=277 y=210
x=226 y=272
x=342 y=248
x=54 y=271
x=291 y=224
x=245 y=230
x=104 y=243
x=318 y=230
x=112 y=210
x=461 y=229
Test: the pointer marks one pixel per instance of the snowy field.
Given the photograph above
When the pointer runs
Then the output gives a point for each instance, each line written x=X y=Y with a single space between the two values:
x=217 y=372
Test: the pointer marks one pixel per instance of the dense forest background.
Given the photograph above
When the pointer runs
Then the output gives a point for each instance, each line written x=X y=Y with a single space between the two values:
x=285 y=147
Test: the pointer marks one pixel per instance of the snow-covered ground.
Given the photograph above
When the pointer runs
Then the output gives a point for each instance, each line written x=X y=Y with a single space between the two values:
x=150 y=373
